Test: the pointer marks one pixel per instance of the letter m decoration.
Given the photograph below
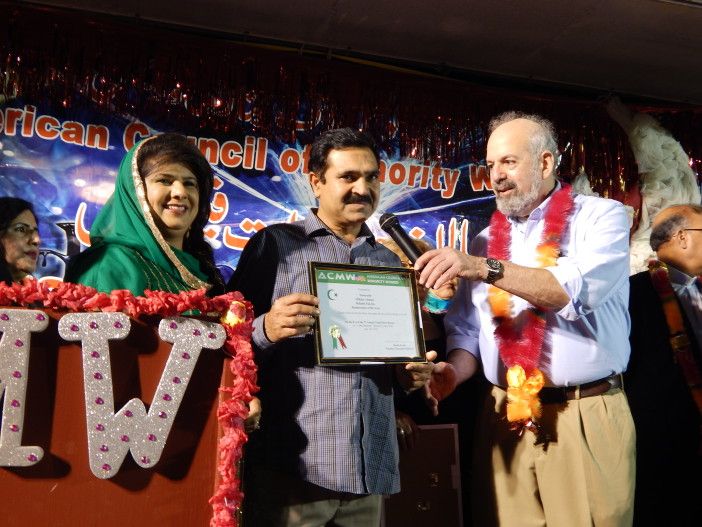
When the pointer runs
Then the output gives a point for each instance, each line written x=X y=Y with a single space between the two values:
x=16 y=327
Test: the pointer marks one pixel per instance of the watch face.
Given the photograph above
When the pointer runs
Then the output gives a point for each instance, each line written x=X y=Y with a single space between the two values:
x=495 y=269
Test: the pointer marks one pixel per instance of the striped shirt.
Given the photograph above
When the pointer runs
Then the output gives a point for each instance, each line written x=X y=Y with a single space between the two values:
x=331 y=426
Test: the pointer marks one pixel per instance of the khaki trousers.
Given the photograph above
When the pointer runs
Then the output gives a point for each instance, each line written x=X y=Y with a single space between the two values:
x=583 y=476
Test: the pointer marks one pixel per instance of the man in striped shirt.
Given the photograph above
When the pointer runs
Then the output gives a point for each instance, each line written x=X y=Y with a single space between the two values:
x=326 y=451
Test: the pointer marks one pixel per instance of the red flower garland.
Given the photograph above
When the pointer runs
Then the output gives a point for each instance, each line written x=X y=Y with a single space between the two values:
x=521 y=345
x=231 y=413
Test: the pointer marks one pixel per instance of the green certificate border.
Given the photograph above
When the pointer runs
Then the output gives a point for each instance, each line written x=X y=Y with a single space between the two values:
x=357 y=288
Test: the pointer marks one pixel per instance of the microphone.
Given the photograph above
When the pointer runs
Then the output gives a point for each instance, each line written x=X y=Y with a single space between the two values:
x=390 y=224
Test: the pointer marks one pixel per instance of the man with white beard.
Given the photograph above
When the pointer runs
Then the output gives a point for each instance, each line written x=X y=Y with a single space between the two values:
x=545 y=315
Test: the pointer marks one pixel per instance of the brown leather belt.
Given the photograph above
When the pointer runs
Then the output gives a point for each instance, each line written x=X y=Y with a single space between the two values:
x=553 y=395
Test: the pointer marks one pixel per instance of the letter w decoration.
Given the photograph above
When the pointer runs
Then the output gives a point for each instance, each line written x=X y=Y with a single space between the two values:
x=132 y=429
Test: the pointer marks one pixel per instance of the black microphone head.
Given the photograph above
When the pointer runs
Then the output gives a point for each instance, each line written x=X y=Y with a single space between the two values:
x=390 y=224
x=387 y=220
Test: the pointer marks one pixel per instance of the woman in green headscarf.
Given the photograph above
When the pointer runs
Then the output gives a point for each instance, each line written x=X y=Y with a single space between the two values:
x=149 y=234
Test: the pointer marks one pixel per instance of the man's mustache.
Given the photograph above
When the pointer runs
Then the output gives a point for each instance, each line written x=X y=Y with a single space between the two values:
x=501 y=187
x=356 y=198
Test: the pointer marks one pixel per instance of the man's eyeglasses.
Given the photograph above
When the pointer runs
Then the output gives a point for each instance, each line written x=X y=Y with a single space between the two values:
x=692 y=229
x=22 y=230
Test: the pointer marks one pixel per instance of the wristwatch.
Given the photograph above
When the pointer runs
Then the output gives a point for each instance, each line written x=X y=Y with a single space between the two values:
x=495 y=270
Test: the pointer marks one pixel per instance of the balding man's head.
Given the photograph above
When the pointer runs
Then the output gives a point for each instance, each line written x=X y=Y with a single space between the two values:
x=521 y=157
x=676 y=236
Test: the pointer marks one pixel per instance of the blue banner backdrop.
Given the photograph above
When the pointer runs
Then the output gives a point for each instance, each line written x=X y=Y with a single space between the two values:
x=65 y=163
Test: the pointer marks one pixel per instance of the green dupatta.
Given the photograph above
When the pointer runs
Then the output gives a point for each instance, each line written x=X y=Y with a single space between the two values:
x=127 y=250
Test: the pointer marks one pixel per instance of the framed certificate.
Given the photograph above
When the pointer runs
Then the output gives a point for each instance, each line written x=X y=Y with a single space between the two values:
x=368 y=315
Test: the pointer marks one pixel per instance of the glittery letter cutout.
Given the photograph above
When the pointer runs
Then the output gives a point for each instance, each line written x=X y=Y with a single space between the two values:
x=16 y=326
x=95 y=330
x=131 y=429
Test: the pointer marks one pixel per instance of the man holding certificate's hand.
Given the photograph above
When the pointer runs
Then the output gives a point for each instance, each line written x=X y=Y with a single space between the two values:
x=327 y=449
x=543 y=306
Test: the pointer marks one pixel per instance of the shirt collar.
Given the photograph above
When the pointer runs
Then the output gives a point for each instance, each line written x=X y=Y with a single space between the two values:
x=313 y=226
x=680 y=279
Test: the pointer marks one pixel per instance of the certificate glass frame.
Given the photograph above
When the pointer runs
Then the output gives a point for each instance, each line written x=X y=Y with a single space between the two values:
x=368 y=315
